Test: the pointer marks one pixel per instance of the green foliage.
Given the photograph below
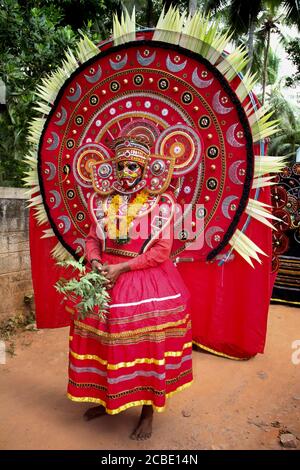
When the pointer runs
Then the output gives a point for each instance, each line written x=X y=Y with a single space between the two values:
x=87 y=290
x=32 y=43
x=258 y=62
x=287 y=140
x=78 y=14
x=293 y=51
x=34 y=35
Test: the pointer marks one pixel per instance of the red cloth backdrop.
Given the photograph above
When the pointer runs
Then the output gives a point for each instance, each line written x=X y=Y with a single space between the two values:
x=50 y=311
x=230 y=303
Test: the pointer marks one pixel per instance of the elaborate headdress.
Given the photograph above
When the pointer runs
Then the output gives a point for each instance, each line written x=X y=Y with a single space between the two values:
x=177 y=87
x=158 y=169
x=129 y=148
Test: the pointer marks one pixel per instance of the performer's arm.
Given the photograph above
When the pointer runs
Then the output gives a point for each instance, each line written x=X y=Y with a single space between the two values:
x=92 y=245
x=157 y=254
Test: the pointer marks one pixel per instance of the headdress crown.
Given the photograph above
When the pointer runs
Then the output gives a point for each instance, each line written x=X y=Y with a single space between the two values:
x=129 y=148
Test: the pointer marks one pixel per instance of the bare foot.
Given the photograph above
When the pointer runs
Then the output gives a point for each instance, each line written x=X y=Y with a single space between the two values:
x=144 y=428
x=94 y=412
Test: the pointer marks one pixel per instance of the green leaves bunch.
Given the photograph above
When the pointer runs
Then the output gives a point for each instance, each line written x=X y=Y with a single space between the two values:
x=87 y=290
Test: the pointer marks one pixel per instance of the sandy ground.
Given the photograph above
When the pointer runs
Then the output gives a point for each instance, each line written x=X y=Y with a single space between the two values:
x=231 y=405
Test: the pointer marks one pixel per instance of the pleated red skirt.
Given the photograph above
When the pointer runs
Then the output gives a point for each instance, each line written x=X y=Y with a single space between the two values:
x=142 y=352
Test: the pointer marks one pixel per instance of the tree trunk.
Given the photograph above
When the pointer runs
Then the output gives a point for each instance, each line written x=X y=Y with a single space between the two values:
x=250 y=41
x=192 y=7
x=149 y=13
x=265 y=66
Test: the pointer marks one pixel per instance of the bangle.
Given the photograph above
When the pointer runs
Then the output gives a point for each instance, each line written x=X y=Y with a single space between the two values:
x=95 y=259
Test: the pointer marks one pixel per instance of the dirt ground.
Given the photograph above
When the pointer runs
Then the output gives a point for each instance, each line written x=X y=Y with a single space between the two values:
x=231 y=405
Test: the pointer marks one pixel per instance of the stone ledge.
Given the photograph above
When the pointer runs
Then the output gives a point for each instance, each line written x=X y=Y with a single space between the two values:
x=14 y=262
x=15 y=274
x=13 y=242
x=14 y=215
x=13 y=193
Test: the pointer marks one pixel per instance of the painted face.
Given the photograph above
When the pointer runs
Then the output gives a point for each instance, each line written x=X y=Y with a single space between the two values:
x=129 y=173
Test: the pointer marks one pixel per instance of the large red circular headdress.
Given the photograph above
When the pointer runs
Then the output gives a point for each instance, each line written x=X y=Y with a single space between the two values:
x=189 y=100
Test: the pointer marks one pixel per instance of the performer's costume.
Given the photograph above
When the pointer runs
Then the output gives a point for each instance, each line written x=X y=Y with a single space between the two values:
x=177 y=88
x=141 y=352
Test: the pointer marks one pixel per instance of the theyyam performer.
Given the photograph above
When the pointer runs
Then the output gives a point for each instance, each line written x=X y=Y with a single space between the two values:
x=149 y=159
x=142 y=351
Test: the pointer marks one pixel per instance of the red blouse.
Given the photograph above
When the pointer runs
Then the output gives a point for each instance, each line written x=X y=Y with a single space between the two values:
x=157 y=254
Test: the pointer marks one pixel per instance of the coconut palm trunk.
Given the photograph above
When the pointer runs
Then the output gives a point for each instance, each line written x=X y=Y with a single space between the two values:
x=192 y=7
x=265 y=64
x=250 y=41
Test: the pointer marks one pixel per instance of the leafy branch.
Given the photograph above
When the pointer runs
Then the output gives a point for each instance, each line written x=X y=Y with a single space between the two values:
x=87 y=290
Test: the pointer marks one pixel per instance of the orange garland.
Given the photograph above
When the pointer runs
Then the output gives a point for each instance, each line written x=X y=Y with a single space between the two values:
x=133 y=209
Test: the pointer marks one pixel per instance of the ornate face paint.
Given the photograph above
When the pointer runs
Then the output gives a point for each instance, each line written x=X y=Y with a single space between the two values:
x=129 y=173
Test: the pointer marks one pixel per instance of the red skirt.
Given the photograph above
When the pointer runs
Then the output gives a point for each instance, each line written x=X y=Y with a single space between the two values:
x=142 y=352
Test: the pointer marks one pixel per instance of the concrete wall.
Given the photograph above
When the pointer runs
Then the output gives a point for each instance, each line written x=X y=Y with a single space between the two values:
x=15 y=273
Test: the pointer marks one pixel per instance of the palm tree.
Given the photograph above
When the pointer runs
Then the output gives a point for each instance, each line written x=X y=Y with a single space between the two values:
x=192 y=6
x=287 y=140
x=243 y=17
x=275 y=14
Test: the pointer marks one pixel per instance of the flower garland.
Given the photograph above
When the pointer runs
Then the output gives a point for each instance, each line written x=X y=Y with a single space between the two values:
x=121 y=233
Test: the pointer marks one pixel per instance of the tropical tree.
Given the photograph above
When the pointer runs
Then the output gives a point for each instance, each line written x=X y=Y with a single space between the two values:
x=78 y=13
x=241 y=17
x=245 y=18
x=33 y=39
x=293 y=50
x=192 y=6
x=287 y=140
x=31 y=44
x=34 y=35
x=270 y=24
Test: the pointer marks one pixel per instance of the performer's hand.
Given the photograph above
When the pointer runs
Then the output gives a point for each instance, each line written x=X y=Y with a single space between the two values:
x=113 y=271
x=96 y=265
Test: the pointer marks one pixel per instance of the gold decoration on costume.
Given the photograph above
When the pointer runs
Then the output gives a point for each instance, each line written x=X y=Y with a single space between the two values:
x=217 y=353
x=130 y=333
x=121 y=365
x=128 y=405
